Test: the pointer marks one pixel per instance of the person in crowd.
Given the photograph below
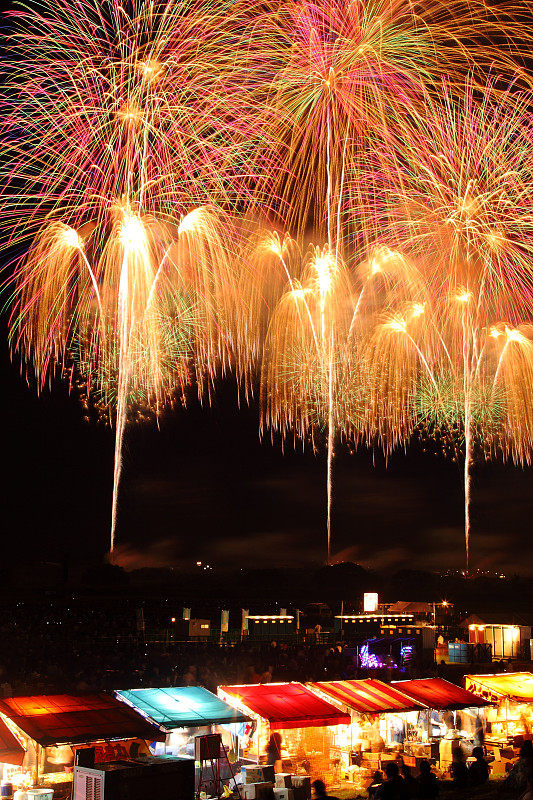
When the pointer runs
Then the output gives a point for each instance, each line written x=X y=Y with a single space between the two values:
x=319 y=788
x=273 y=751
x=478 y=771
x=528 y=793
x=428 y=784
x=393 y=787
x=377 y=780
x=410 y=785
x=458 y=769
x=516 y=780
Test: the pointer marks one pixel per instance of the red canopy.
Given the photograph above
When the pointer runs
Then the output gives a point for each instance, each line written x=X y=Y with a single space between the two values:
x=66 y=719
x=286 y=705
x=439 y=694
x=11 y=752
x=368 y=696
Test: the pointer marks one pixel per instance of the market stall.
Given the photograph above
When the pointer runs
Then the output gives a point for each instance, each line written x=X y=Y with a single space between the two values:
x=381 y=719
x=510 y=720
x=184 y=713
x=40 y=736
x=309 y=726
x=454 y=718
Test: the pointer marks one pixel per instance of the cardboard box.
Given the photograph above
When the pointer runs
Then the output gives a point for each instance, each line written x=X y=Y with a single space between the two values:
x=302 y=782
x=283 y=780
x=257 y=791
x=252 y=773
x=283 y=794
x=268 y=773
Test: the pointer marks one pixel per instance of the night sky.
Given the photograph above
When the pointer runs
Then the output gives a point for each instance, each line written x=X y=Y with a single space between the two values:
x=204 y=487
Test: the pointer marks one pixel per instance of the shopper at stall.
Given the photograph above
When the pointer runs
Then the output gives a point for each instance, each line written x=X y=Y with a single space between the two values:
x=410 y=785
x=517 y=779
x=478 y=771
x=273 y=751
x=377 y=780
x=393 y=788
x=428 y=784
x=458 y=768
x=319 y=788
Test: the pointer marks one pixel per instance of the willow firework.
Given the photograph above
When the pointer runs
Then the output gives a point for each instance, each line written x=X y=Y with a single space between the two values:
x=457 y=357
x=116 y=140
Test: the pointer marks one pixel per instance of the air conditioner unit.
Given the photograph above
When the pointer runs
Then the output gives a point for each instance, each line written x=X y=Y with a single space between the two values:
x=136 y=779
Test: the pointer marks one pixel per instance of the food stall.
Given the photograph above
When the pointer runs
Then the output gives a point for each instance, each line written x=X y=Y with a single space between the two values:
x=381 y=717
x=453 y=718
x=309 y=727
x=510 y=720
x=40 y=737
x=184 y=713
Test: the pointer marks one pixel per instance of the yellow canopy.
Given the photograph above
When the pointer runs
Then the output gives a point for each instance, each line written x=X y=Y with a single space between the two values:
x=516 y=686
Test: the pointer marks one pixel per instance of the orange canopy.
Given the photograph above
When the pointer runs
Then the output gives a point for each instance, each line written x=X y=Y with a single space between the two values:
x=67 y=719
x=11 y=751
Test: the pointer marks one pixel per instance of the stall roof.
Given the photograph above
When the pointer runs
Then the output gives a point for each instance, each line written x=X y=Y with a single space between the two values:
x=11 y=751
x=67 y=719
x=516 y=686
x=368 y=695
x=439 y=694
x=182 y=707
x=286 y=705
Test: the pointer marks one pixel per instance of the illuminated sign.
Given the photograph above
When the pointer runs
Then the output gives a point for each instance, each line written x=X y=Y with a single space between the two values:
x=370 y=602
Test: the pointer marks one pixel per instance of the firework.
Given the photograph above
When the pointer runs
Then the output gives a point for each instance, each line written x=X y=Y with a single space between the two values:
x=116 y=139
x=337 y=74
x=456 y=359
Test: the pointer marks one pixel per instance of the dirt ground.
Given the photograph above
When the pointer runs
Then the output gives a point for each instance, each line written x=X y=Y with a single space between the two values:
x=493 y=790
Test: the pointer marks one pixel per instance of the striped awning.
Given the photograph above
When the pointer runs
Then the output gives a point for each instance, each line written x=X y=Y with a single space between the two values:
x=517 y=686
x=367 y=696
x=285 y=705
x=439 y=694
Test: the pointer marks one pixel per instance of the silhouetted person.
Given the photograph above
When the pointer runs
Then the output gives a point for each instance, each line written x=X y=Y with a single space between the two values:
x=517 y=778
x=458 y=768
x=377 y=780
x=319 y=788
x=528 y=794
x=393 y=788
x=410 y=786
x=273 y=751
x=428 y=784
x=478 y=771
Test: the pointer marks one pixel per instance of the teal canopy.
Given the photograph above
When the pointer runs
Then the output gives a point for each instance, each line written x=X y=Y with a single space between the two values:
x=181 y=707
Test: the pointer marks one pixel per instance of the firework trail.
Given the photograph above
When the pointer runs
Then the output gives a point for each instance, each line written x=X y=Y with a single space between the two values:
x=457 y=358
x=117 y=149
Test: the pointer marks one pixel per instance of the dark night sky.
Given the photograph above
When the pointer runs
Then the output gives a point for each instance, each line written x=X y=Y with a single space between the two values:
x=203 y=487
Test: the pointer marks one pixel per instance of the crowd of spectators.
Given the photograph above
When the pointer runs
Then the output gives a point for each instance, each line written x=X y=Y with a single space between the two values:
x=54 y=648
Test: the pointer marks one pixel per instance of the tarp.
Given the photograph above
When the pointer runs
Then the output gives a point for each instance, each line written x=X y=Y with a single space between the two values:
x=516 y=686
x=11 y=752
x=182 y=707
x=286 y=705
x=368 y=696
x=439 y=694
x=67 y=719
